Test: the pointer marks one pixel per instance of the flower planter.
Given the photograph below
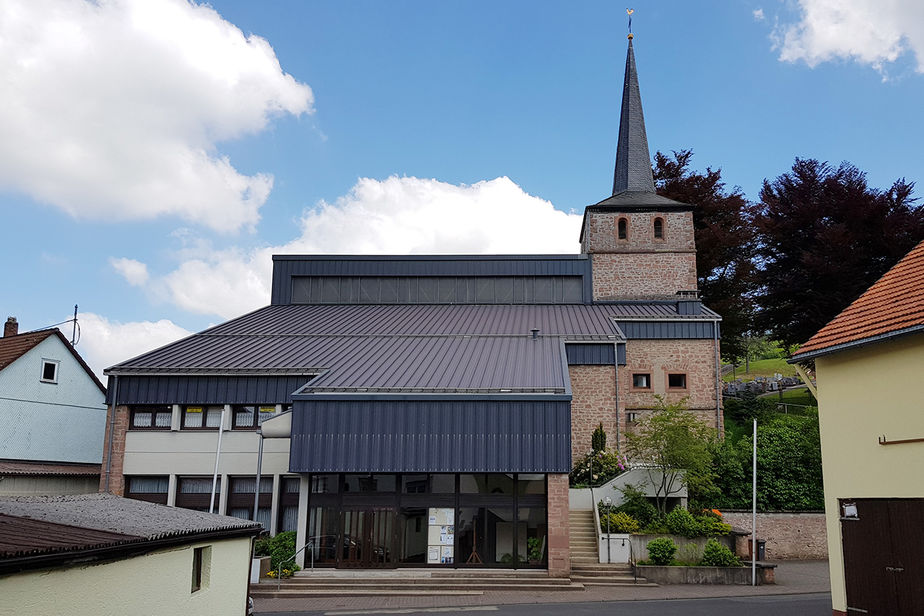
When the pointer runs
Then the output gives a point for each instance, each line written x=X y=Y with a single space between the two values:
x=706 y=575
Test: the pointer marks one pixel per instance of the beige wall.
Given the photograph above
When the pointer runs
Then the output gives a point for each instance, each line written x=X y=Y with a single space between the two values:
x=863 y=394
x=153 y=584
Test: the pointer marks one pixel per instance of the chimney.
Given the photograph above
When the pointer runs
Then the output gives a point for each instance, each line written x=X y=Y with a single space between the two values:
x=11 y=327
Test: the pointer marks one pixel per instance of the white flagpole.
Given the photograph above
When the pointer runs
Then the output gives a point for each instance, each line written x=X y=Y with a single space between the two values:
x=221 y=428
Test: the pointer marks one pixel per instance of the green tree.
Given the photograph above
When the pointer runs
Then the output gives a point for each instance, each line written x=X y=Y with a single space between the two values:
x=824 y=237
x=673 y=445
x=725 y=243
x=598 y=438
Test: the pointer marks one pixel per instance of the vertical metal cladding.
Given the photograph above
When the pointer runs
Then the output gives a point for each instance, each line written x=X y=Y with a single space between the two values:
x=218 y=389
x=652 y=330
x=591 y=354
x=433 y=435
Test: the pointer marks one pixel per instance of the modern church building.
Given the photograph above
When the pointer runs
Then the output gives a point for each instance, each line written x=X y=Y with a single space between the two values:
x=426 y=410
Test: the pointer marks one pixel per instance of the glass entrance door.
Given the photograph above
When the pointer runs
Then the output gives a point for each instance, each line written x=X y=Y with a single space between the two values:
x=368 y=538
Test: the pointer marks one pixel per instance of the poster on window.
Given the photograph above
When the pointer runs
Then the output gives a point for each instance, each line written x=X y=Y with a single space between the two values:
x=441 y=535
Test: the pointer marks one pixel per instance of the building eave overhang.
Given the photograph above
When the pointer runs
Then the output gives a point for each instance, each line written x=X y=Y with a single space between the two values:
x=799 y=358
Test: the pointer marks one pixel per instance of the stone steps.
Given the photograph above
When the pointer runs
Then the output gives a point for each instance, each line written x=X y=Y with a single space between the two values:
x=411 y=585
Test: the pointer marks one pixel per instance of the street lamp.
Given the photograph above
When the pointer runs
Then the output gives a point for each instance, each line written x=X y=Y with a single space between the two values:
x=590 y=455
x=609 y=503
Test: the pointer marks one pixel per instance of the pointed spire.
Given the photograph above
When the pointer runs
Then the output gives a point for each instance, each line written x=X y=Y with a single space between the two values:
x=633 y=163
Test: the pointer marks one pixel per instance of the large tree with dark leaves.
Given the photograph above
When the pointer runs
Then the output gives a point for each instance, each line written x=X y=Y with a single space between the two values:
x=724 y=243
x=825 y=236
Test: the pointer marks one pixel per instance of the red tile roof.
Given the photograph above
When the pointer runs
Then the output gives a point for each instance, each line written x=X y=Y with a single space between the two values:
x=894 y=304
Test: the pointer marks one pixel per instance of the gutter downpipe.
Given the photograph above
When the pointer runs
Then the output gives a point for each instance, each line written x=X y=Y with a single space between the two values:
x=115 y=401
x=256 y=495
x=221 y=429
x=718 y=375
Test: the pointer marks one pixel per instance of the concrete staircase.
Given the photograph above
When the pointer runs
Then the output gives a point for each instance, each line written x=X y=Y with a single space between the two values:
x=585 y=561
x=408 y=582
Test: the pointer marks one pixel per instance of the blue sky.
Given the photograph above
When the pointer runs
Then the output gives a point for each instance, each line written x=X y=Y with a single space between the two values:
x=158 y=152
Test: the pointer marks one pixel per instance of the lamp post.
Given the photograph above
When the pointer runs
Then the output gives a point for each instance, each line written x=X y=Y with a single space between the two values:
x=590 y=455
x=609 y=502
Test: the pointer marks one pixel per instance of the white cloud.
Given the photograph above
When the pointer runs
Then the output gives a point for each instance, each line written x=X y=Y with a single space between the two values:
x=758 y=14
x=113 y=109
x=135 y=272
x=399 y=215
x=104 y=343
x=873 y=32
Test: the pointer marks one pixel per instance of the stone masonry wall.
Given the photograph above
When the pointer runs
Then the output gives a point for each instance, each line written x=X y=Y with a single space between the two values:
x=593 y=401
x=119 y=427
x=642 y=275
x=789 y=536
x=559 y=550
x=658 y=358
x=600 y=234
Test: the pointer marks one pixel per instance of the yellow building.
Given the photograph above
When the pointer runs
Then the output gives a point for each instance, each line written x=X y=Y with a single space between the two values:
x=108 y=556
x=869 y=365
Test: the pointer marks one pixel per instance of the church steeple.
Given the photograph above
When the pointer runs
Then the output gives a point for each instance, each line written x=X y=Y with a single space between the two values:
x=633 y=163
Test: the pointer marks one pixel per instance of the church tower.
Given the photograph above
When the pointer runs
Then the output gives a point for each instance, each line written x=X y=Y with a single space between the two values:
x=640 y=244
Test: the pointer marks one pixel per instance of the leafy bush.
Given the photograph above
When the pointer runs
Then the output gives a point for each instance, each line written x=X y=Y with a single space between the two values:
x=712 y=524
x=619 y=523
x=606 y=465
x=661 y=551
x=681 y=522
x=637 y=505
x=280 y=549
x=717 y=555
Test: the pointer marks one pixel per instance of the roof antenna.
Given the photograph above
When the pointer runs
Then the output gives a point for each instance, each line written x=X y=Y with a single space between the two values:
x=74 y=330
x=629 y=13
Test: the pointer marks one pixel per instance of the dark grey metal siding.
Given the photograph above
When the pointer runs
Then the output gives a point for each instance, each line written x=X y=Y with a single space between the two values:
x=437 y=290
x=621 y=354
x=647 y=330
x=431 y=436
x=692 y=307
x=207 y=389
x=287 y=266
x=591 y=354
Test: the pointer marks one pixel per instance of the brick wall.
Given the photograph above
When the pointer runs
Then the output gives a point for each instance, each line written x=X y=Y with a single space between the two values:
x=789 y=536
x=116 y=478
x=593 y=401
x=559 y=550
x=600 y=232
x=642 y=275
x=658 y=358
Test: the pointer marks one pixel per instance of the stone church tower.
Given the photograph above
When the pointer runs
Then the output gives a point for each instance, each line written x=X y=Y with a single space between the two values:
x=641 y=244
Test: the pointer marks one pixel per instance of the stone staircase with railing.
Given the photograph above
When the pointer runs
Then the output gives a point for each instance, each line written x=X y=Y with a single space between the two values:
x=407 y=582
x=585 y=561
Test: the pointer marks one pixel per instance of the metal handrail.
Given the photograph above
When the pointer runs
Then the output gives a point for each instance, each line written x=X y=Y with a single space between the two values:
x=310 y=544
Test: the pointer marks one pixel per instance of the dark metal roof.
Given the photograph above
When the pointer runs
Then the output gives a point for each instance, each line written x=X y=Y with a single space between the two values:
x=633 y=163
x=408 y=348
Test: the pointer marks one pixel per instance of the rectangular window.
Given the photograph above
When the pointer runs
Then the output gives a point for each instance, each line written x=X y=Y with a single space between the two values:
x=202 y=561
x=151 y=417
x=251 y=416
x=50 y=371
x=288 y=504
x=201 y=417
x=677 y=380
x=641 y=381
x=241 y=496
x=196 y=493
x=149 y=488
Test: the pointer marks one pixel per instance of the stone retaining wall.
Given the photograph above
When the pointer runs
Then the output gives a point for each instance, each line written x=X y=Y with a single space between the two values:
x=789 y=536
x=706 y=575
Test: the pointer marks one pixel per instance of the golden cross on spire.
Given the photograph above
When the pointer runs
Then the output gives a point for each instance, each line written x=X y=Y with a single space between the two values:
x=629 y=13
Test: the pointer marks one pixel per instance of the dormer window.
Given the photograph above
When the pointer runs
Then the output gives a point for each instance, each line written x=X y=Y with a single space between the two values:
x=50 y=371
x=622 y=229
x=659 y=228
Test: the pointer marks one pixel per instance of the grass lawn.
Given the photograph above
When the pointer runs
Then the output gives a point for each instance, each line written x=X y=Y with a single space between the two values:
x=761 y=367
x=797 y=396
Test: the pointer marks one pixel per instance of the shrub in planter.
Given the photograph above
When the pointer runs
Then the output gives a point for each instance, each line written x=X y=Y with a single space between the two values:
x=637 y=505
x=619 y=523
x=717 y=555
x=661 y=551
x=681 y=522
x=280 y=549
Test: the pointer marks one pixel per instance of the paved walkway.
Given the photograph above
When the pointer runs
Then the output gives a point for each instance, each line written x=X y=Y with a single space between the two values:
x=792 y=577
